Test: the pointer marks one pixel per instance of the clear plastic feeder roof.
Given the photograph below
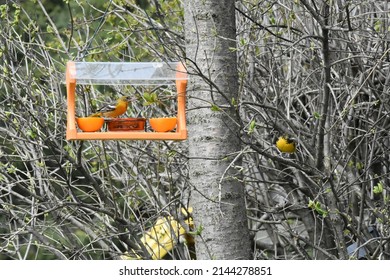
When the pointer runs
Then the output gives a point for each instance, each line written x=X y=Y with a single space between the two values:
x=135 y=73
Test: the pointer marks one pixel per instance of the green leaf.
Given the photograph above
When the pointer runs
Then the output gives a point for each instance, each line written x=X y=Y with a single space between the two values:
x=378 y=189
x=215 y=108
x=11 y=169
x=198 y=231
x=172 y=153
x=316 y=206
x=252 y=126
x=150 y=98
x=359 y=165
x=377 y=26
x=3 y=11
x=49 y=29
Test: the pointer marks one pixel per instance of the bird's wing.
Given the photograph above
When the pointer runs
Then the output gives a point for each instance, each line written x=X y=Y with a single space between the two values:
x=107 y=108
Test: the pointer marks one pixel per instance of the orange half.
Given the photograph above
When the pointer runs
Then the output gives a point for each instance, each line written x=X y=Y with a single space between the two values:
x=90 y=124
x=163 y=124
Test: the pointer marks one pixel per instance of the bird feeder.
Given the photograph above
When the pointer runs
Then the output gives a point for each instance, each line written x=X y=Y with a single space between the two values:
x=126 y=73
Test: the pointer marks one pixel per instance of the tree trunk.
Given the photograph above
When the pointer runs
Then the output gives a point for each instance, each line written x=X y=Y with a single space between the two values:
x=214 y=148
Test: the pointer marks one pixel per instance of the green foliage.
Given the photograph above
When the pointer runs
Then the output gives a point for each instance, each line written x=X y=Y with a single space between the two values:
x=198 y=231
x=316 y=206
x=378 y=188
x=150 y=98
x=252 y=126
x=215 y=108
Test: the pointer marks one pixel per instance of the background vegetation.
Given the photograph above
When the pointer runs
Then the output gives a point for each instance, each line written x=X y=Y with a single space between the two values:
x=316 y=70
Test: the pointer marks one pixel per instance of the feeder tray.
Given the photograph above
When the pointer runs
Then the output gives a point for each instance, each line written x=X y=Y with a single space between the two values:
x=126 y=73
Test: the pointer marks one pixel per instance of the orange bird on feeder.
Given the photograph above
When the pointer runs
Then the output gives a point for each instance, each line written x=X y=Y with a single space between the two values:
x=113 y=110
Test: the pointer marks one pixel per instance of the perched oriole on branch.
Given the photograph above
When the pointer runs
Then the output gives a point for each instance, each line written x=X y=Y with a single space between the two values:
x=113 y=110
x=286 y=144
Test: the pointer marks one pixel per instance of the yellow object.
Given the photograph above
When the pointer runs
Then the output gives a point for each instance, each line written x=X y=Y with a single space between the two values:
x=285 y=144
x=113 y=110
x=165 y=234
x=161 y=238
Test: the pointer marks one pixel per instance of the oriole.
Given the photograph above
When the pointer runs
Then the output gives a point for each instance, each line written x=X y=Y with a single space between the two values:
x=285 y=144
x=113 y=110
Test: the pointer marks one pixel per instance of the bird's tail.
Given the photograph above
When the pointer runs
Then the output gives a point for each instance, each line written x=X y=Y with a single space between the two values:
x=96 y=115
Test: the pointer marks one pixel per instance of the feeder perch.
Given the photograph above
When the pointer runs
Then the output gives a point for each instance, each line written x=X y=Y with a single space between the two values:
x=126 y=73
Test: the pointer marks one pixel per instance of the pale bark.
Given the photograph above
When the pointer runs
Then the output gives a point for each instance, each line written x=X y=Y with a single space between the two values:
x=214 y=148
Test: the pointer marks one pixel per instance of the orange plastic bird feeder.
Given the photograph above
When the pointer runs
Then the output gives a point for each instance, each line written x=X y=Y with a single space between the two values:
x=126 y=73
